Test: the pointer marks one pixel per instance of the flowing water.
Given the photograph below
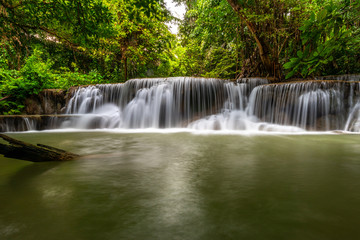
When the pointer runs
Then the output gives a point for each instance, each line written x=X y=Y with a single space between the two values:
x=213 y=104
x=184 y=186
x=207 y=104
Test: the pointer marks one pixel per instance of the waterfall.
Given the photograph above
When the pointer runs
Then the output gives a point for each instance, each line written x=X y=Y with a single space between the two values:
x=248 y=104
x=313 y=105
x=162 y=103
x=353 y=120
x=17 y=123
x=213 y=104
x=147 y=103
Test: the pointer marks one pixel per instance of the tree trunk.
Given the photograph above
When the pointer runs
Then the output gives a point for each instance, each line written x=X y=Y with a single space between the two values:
x=264 y=50
x=40 y=153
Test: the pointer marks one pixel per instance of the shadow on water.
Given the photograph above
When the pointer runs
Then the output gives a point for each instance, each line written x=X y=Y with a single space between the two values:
x=29 y=205
x=24 y=176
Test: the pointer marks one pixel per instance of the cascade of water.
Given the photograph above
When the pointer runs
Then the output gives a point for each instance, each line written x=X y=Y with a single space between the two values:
x=353 y=120
x=30 y=124
x=88 y=99
x=204 y=104
x=85 y=100
x=211 y=104
x=150 y=103
x=251 y=83
x=310 y=105
x=17 y=123
x=232 y=115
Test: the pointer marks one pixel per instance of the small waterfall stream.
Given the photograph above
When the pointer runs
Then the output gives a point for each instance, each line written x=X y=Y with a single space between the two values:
x=213 y=104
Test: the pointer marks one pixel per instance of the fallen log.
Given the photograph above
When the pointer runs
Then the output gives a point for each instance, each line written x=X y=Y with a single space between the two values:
x=39 y=153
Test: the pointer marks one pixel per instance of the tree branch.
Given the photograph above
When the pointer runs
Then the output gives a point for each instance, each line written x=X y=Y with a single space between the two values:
x=4 y=98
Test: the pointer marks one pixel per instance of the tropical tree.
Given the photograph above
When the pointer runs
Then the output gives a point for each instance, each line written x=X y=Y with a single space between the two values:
x=70 y=23
x=271 y=24
x=253 y=36
x=330 y=41
x=209 y=36
x=141 y=37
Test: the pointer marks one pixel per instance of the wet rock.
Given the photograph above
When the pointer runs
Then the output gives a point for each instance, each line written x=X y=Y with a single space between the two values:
x=345 y=77
x=326 y=123
x=49 y=101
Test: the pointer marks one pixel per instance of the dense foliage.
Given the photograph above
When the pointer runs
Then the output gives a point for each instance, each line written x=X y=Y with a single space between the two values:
x=58 y=44
x=231 y=38
x=330 y=41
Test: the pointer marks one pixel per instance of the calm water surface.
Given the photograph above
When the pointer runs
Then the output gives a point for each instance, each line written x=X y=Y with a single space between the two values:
x=184 y=186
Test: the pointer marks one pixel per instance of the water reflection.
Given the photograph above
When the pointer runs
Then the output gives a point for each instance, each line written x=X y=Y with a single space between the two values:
x=183 y=186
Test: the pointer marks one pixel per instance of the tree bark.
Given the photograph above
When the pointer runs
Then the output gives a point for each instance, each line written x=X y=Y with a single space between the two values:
x=40 y=153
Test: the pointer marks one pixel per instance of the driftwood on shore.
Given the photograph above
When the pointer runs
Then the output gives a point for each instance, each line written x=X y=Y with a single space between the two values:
x=34 y=153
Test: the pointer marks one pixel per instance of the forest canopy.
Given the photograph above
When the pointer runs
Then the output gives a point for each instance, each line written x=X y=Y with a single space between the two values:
x=63 y=43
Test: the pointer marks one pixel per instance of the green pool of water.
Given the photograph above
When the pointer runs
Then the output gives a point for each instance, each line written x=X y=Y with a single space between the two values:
x=184 y=186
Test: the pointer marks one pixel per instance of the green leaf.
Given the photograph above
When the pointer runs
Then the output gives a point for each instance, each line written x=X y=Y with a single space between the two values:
x=312 y=17
x=304 y=71
x=289 y=75
x=322 y=15
x=302 y=28
x=288 y=65
x=300 y=54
